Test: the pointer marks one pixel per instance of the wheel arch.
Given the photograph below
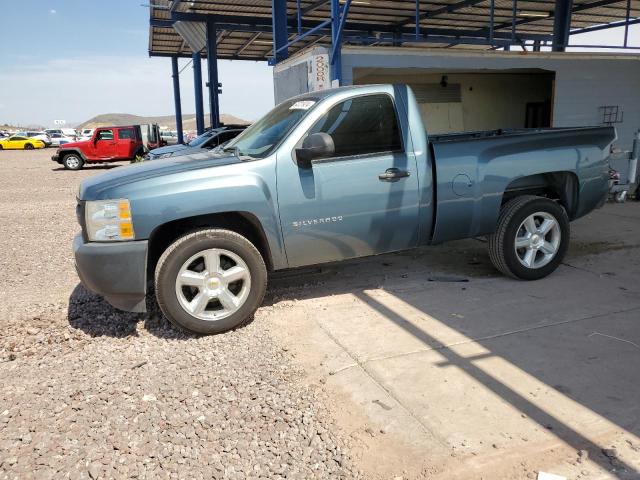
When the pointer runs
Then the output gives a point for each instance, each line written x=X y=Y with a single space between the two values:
x=67 y=151
x=562 y=186
x=243 y=223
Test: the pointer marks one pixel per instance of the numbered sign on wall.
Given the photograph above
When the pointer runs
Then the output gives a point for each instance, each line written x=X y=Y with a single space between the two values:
x=318 y=68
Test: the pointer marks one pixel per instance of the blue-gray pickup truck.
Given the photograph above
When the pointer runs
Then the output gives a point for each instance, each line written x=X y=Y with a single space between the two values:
x=323 y=177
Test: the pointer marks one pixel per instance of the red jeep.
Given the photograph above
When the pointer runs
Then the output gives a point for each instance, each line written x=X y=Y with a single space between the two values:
x=108 y=144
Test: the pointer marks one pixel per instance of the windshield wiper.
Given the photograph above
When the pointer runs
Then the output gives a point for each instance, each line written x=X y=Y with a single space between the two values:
x=234 y=149
x=236 y=152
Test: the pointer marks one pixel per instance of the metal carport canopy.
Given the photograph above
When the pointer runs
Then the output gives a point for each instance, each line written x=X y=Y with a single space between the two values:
x=245 y=27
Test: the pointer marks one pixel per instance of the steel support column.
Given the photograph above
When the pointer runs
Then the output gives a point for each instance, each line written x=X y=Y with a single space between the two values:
x=176 y=97
x=212 y=67
x=561 y=25
x=280 y=36
x=197 y=88
x=338 y=20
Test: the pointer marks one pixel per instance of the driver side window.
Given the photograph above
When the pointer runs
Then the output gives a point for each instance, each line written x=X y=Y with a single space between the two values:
x=362 y=125
x=105 y=135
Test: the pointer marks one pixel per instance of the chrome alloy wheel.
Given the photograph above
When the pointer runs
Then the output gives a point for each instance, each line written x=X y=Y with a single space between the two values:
x=537 y=240
x=72 y=161
x=213 y=284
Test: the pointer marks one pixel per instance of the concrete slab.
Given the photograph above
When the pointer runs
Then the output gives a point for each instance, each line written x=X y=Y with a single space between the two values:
x=487 y=378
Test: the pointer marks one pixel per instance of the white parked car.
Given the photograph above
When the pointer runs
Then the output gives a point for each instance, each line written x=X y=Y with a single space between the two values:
x=69 y=132
x=37 y=135
x=169 y=137
x=85 y=133
x=58 y=139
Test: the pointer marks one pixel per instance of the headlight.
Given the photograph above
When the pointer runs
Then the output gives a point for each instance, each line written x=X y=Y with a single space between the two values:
x=109 y=220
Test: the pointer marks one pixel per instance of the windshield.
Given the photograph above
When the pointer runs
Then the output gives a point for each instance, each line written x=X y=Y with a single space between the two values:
x=262 y=137
x=200 y=139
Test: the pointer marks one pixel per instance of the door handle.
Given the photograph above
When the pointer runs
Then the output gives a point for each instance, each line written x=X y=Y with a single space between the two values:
x=393 y=175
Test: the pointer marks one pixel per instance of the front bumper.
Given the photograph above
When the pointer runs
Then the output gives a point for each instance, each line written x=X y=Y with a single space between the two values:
x=117 y=271
x=56 y=158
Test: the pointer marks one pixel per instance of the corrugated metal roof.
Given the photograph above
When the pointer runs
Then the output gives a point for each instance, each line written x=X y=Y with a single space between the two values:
x=236 y=41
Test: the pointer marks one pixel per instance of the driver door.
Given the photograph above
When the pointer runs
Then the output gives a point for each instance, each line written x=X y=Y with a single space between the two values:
x=105 y=144
x=363 y=199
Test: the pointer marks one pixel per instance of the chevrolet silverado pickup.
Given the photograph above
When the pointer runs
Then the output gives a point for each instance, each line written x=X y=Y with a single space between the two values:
x=323 y=177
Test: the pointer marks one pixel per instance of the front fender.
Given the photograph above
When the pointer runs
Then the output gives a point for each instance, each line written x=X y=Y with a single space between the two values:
x=232 y=188
x=64 y=151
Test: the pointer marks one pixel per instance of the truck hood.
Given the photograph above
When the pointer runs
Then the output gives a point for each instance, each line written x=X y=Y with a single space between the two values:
x=98 y=187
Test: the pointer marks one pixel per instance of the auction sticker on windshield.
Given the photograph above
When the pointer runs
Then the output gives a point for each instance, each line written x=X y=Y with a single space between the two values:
x=302 y=105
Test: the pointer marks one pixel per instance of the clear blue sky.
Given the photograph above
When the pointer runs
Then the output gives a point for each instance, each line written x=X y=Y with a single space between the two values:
x=73 y=59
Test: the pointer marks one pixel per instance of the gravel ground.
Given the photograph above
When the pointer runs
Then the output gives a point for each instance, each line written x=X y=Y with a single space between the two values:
x=90 y=392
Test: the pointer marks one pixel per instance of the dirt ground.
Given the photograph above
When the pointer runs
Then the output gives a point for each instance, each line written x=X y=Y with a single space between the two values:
x=425 y=364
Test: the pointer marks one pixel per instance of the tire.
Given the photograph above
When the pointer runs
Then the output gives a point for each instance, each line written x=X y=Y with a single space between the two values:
x=28 y=146
x=620 y=197
x=72 y=161
x=541 y=252
x=1 y=147
x=186 y=258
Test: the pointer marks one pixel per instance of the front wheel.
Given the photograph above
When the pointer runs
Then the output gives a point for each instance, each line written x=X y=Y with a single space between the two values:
x=28 y=146
x=531 y=238
x=71 y=161
x=210 y=281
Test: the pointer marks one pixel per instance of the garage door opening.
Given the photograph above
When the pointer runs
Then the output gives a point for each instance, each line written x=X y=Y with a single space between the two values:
x=456 y=101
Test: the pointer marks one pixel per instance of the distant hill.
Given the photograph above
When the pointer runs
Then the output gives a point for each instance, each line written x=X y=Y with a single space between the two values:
x=6 y=126
x=166 y=121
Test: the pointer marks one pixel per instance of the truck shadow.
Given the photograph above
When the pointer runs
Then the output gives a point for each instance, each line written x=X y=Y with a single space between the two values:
x=87 y=167
x=95 y=317
x=544 y=330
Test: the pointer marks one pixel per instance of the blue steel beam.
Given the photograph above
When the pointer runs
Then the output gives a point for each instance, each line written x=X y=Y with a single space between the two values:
x=338 y=21
x=605 y=26
x=244 y=23
x=561 y=25
x=514 y=12
x=626 y=25
x=280 y=34
x=523 y=21
x=314 y=6
x=448 y=9
x=359 y=28
x=313 y=31
x=175 y=75
x=390 y=38
x=197 y=89
x=492 y=10
x=212 y=67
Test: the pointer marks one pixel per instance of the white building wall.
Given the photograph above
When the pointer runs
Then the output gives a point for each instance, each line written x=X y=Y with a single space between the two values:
x=583 y=81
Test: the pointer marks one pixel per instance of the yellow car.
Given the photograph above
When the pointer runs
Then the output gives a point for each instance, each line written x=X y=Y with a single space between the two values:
x=22 y=143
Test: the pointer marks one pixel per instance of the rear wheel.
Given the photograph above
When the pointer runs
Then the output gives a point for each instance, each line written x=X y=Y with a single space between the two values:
x=531 y=239
x=72 y=161
x=28 y=146
x=1 y=147
x=210 y=281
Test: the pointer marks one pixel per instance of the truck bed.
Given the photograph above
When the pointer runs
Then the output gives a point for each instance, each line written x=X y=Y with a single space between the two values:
x=474 y=170
x=500 y=132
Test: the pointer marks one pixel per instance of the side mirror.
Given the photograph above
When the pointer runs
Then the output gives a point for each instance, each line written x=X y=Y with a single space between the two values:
x=316 y=145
